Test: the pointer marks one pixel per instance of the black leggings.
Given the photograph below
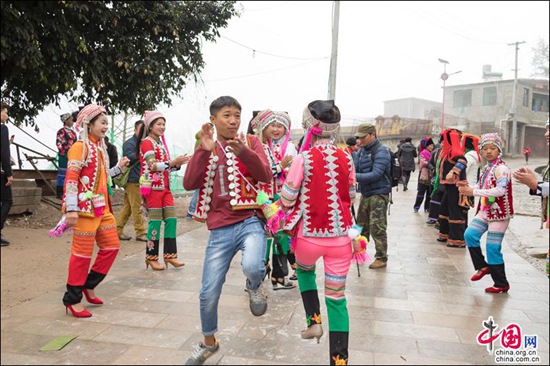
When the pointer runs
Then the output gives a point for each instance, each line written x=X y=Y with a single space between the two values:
x=6 y=200
x=406 y=177
x=423 y=195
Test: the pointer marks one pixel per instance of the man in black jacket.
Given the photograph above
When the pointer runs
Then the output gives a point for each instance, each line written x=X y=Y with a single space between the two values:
x=6 y=174
x=407 y=153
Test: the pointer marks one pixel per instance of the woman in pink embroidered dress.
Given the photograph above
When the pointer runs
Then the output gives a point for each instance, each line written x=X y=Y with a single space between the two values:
x=317 y=195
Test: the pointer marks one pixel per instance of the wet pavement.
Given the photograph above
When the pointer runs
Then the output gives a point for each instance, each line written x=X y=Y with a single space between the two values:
x=421 y=309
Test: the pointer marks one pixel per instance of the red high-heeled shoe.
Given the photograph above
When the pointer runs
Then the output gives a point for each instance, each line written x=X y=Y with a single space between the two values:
x=497 y=290
x=95 y=300
x=480 y=274
x=77 y=314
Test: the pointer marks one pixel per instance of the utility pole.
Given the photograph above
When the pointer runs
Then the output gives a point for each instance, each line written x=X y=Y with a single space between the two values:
x=513 y=109
x=334 y=54
x=124 y=126
x=444 y=77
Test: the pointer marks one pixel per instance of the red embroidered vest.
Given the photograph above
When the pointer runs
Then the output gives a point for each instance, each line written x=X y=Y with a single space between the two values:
x=503 y=207
x=89 y=178
x=271 y=188
x=159 y=180
x=242 y=190
x=324 y=201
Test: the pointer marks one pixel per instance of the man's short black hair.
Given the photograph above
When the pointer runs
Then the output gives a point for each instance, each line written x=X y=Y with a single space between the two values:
x=138 y=123
x=224 y=101
x=351 y=141
x=408 y=139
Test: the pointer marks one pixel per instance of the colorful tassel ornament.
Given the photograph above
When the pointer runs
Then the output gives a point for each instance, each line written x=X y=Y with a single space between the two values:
x=359 y=243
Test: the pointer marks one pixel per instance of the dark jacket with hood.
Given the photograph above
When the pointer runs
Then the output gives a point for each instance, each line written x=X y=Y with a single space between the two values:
x=407 y=153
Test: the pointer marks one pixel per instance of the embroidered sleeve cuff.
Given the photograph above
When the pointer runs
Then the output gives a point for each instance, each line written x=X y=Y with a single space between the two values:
x=539 y=190
x=459 y=166
x=114 y=171
x=71 y=196
x=352 y=193
x=161 y=166
x=274 y=169
x=543 y=189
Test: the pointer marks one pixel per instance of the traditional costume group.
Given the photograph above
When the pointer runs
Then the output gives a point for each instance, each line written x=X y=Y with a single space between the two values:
x=314 y=193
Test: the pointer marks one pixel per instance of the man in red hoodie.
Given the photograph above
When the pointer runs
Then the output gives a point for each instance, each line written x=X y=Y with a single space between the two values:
x=227 y=169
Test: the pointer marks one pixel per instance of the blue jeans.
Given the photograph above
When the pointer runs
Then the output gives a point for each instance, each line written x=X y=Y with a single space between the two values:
x=193 y=203
x=249 y=236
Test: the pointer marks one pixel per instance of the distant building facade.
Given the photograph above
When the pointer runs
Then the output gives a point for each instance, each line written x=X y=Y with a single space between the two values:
x=486 y=107
x=412 y=108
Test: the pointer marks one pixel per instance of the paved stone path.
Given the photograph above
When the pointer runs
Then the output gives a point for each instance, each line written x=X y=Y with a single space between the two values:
x=421 y=309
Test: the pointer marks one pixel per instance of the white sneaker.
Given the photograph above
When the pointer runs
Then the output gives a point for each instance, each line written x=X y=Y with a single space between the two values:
x=258 y=301
x=201 y=353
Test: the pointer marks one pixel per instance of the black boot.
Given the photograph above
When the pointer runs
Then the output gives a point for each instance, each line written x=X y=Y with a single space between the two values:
x=499 y=278
x=311 y=306
x=338 y=348
x=152 y=257
x=94 y=278
x=477 y=258
x=59 y=192
x=73 y=295
x=170 y=246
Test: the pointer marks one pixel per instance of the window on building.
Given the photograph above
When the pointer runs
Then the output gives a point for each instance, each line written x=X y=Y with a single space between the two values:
x=462 y=98
x=540 y=103
x=490 y=95
x=526 y=97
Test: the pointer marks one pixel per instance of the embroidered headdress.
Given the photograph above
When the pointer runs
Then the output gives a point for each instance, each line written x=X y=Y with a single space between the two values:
x=261 y=120
x=284 y=119
x=321 y=118
x=87 y=114
x=451 y=143
x=65 y=116
x=148 y=118
x=425 y=142
x=471 y=142
x=491 y=138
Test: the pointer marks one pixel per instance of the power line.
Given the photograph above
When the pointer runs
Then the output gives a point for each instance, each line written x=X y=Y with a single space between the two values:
x=468 y=25
x=267 y=8
x=32 y=137
x=262 y=72
x=273 y=55
x=431 y=18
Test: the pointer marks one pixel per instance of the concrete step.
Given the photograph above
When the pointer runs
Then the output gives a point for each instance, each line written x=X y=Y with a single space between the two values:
x=26 y=196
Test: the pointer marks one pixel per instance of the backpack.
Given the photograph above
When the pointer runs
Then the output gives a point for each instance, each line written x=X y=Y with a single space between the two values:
x=395 y=170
